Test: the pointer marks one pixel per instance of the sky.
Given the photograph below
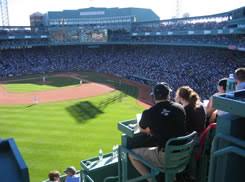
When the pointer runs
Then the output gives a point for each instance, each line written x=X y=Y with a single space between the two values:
x=20 y=10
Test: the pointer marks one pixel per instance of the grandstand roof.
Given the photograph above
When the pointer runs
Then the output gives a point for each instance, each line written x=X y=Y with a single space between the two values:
x=141 y=14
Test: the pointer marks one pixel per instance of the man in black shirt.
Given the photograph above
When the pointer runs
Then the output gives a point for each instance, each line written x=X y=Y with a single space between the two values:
x=162 y=121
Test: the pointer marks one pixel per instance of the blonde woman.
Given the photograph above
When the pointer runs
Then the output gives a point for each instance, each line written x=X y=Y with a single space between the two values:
x=195 y=112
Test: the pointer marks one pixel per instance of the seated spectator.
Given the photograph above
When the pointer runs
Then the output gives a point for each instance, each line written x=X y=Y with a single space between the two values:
x=240 y=78
x=163 y=121
x=212 y=112
x=54 y=176
x=71 y=175
x=195 y=112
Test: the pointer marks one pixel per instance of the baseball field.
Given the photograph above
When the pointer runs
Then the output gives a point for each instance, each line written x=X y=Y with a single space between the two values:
x=59 y=122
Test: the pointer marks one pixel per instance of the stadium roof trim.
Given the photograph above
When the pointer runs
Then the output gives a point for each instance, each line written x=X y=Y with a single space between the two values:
x=193 y=17
x=228 y=13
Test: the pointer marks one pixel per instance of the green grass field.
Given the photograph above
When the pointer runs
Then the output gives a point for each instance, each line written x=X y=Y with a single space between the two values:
x=57 y=135
x=35 y=84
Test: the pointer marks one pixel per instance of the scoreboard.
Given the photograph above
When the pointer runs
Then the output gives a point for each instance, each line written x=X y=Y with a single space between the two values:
x=100 y=35
x=63 y=35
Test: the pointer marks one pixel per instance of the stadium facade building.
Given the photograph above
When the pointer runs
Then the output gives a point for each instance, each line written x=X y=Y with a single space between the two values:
x=94 y=16
x=223 y=30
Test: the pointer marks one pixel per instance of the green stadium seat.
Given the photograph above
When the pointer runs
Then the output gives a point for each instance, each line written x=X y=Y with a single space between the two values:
x=178 y=152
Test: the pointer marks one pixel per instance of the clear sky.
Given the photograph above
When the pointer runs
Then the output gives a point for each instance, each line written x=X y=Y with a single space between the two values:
x=20 y=10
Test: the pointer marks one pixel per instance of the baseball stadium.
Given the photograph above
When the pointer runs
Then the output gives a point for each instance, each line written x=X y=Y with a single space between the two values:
x=74 y=82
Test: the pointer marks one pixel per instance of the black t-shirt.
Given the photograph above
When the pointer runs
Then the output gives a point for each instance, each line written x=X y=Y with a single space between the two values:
x=166 y=120
x=195 y=118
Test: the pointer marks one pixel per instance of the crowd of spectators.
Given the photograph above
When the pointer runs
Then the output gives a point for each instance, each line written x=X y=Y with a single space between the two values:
x=15 y=31
x=221 y=40
x=124 y=36
x=22 y=43
x=198 y=67
x=179 y=25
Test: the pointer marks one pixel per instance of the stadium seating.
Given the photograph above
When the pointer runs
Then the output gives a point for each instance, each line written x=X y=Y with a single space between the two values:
x=193 y=66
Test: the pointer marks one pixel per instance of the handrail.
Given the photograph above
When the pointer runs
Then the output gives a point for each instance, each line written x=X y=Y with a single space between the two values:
x=216 y=140
x=230 y=139
x=221 y=152
x=111 y=178
x=88 y=177
x=228 y=150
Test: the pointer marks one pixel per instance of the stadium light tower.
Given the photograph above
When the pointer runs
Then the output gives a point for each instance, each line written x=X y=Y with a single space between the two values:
x=4 y=12
x=177 y=8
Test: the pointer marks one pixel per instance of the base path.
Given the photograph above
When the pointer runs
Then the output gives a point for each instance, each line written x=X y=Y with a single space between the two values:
x=66 y=93
x=73 y=92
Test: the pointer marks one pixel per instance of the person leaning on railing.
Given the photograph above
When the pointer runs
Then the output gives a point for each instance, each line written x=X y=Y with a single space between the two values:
x=210 y=110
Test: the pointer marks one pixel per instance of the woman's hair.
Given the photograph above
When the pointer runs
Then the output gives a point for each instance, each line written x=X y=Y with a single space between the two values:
x=223 y=82
x=53 y=175
x=240 y=74
x=188 y=94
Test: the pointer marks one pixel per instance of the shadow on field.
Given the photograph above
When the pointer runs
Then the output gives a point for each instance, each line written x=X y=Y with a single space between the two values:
x=84 y=111
x=112 y=99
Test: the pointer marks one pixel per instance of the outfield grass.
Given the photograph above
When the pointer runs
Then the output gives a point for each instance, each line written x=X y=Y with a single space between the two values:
x=35 y=84
x=57 y=135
